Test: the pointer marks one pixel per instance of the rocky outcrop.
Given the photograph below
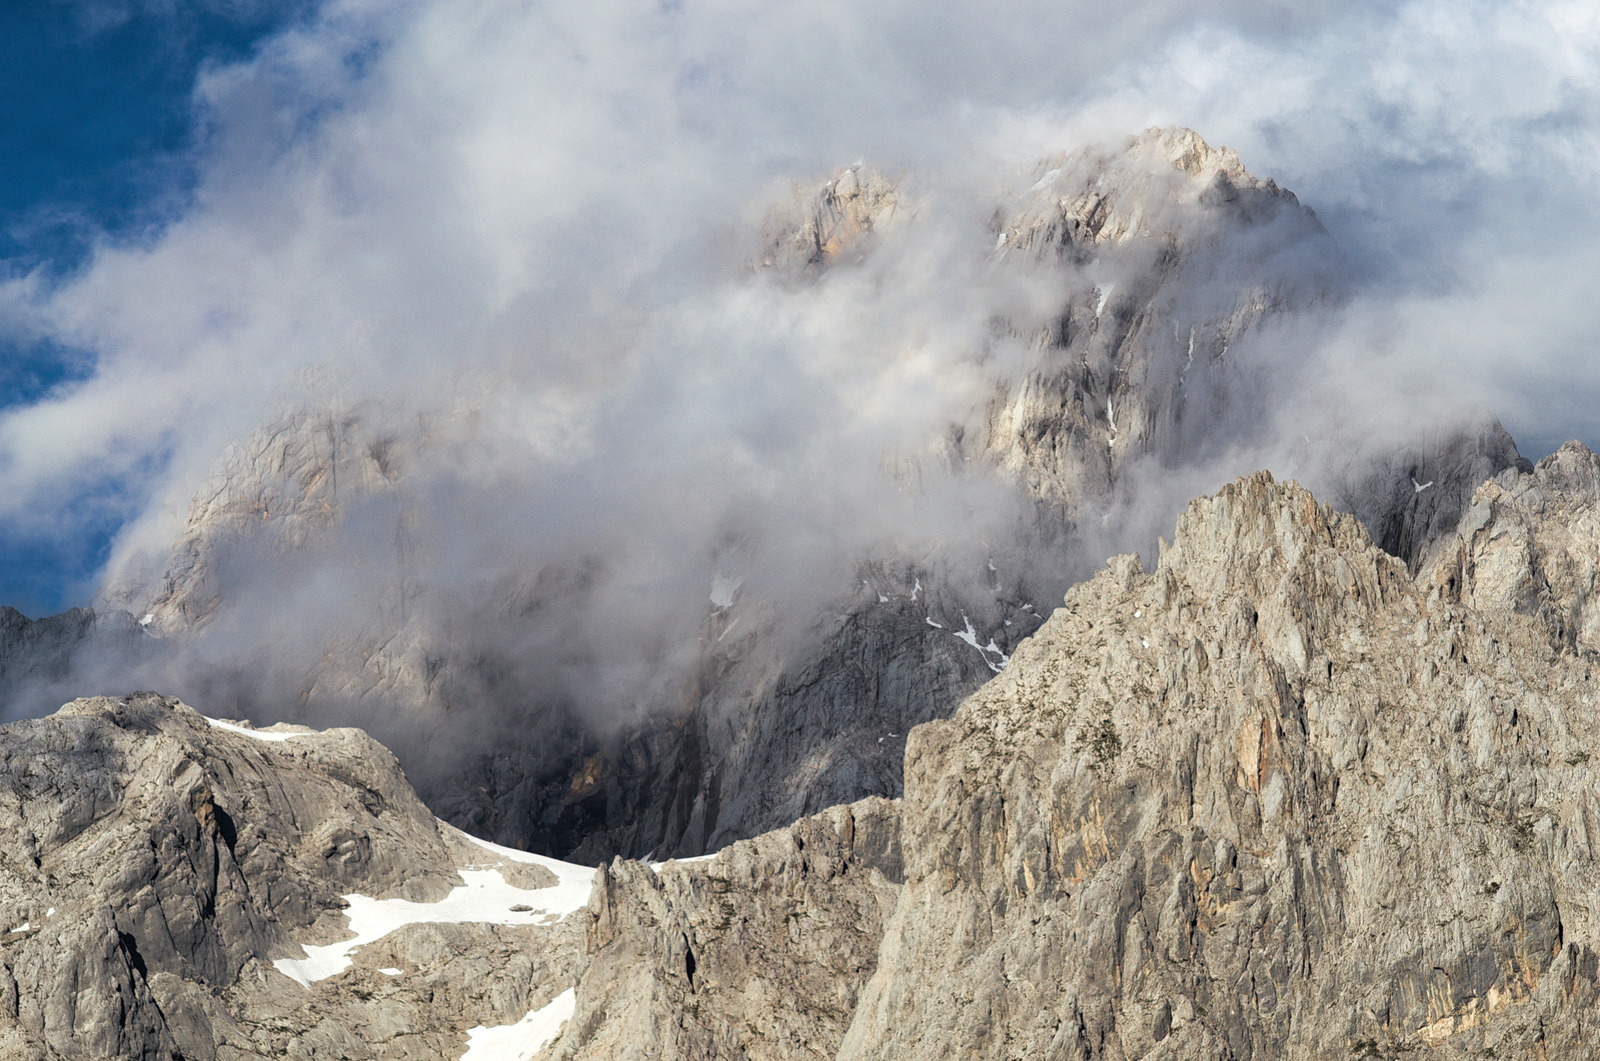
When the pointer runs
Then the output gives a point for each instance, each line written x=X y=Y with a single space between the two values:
x=174 y=887
x=1528 y=543
x=759 y=952
x=1276 y=797
x=837 y=220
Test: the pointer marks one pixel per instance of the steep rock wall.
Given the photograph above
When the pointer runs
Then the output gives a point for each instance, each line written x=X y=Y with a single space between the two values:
x=1273 y=798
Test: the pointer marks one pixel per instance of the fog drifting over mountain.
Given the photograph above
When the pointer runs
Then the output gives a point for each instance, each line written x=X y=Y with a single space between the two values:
x=525 y=234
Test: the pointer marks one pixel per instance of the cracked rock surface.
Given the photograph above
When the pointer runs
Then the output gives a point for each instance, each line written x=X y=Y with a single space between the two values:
x=160 y=866
x=1276 y=797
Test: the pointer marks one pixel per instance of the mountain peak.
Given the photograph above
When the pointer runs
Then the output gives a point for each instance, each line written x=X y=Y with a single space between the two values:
x=1188 y=151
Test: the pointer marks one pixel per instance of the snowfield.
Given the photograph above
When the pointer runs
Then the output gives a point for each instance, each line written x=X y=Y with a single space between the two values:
x=258 y=734
x=520 y=1041
x=484 y=898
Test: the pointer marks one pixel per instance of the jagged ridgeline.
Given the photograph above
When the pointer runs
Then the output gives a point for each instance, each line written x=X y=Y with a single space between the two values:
x=554 y=704
x=1281 y=795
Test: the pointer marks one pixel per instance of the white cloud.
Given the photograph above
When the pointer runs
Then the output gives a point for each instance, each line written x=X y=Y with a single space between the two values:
x=532 y=213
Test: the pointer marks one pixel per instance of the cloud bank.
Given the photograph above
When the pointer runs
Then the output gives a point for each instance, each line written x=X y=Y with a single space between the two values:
x=523 y=233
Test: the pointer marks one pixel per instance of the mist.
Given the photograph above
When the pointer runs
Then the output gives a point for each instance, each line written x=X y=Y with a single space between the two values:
x=493 y=272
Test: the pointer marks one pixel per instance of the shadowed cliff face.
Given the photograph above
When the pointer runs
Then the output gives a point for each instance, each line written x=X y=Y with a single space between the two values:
x=48 y=661
x=636 y=642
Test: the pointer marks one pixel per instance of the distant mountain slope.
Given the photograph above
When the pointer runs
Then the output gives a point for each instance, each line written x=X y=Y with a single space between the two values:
x=1145 y=271
x=48 y=661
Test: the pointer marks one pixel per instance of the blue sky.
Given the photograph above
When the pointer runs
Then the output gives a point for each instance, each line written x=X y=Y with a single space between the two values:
x=97 y=142
x=98 y=128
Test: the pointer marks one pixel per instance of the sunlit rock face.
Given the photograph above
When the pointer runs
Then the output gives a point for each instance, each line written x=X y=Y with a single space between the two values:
x=180 y=887
x=1278 y=796
x=1131 y=288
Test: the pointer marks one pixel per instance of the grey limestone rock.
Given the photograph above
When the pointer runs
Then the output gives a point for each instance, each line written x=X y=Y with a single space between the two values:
x=1273 y=798
x=159 y=868
x=1279 y=796
x=1528 y=543
x=760 y=952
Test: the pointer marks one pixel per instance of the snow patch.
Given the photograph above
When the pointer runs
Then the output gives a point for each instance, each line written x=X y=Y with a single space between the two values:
x=391 y=971
x=26 y=926
x=656 y=866
x=929 y=620
x=149 y=617
x=571 y=892
x=520 y=1041
x=258 y=734
x=1105 y=296
x=723 y=590
x=970 y=636
x=1045 y=181
x=484 y=898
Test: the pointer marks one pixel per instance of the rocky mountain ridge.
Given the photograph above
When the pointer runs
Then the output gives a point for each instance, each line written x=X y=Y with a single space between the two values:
x=178 y=887
x=1165 y=257
x=1278 y=795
